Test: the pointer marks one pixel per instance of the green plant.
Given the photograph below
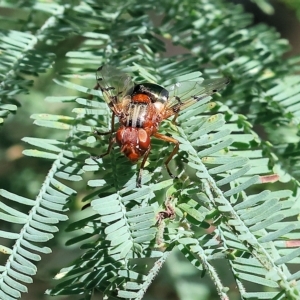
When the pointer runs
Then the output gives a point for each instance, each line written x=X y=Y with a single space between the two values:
x=219 y=208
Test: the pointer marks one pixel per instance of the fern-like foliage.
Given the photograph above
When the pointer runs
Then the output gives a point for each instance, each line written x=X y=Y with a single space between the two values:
x=222 y=163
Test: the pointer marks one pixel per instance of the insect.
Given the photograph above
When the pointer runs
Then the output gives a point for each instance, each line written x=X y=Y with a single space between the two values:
x=141 y=108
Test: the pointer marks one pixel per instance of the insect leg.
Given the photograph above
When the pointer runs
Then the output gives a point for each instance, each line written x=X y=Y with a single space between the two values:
x=174 y=119
x=112 y=139
x=176 y=109
x=139 y=178
x=175 y=150
x=112 y=126
x=111 y=144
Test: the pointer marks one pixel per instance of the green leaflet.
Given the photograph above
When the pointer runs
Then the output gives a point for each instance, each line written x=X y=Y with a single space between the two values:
x=220 y=164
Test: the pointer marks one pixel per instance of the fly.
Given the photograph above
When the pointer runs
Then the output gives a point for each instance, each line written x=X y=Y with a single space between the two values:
x=141 y=108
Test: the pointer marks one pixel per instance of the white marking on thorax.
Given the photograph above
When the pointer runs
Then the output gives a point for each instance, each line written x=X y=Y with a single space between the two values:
x=136 y=115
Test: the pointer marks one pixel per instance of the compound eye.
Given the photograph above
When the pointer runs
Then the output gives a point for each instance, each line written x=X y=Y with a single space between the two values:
x=144 y=139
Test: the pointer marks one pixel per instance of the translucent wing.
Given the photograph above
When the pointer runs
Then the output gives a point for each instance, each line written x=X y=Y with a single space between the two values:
x=184 y=94
x=114 y=84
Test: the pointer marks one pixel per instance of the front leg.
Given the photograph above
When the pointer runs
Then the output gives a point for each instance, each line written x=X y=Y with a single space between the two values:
x=112 y=138
x=173 y=153
x=110 y=146
x=112 y=127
